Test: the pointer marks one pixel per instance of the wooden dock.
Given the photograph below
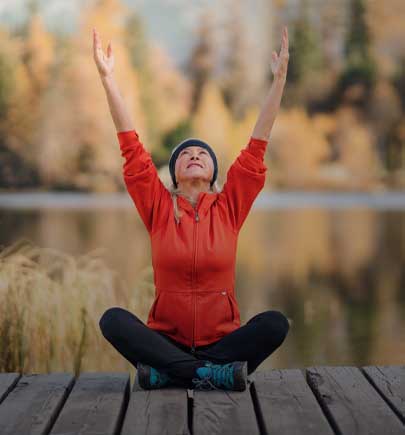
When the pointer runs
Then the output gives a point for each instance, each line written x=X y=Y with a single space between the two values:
x=314 y=400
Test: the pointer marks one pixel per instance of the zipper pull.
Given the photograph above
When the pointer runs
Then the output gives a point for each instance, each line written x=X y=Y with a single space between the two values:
x=197 y=218
x=192 y=349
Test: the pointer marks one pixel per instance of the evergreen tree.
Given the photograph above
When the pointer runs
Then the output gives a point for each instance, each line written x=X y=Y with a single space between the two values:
x=305 y=58
x=360 y=67
x=174 y=136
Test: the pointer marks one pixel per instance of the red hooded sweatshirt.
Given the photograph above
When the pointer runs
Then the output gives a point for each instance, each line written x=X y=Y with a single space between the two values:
x=193 y=261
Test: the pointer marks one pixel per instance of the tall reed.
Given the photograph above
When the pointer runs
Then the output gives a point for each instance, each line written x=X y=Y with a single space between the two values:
x=50 y=306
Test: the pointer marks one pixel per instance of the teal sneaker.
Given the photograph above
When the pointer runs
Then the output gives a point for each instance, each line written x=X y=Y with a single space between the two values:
x=231 y=376
x=149 y=378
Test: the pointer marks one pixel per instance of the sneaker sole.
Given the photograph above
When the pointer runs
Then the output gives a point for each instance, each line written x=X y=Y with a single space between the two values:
x=243 y=377
x=142 y=373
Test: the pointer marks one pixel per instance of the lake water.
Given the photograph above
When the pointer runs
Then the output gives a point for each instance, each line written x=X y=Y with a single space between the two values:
x=334 y=264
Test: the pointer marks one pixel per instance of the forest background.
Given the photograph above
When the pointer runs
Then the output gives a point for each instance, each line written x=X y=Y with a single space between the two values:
x=341 y=124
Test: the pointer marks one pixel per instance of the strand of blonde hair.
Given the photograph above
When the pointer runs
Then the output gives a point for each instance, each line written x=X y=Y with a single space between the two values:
x=175 y=191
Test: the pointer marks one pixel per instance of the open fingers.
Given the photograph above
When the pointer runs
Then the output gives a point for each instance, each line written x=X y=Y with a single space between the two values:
x=284 y=41
x=96 y=38
x=96 y=42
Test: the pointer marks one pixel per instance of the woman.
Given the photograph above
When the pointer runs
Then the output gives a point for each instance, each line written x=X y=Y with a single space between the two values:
x=193 y=337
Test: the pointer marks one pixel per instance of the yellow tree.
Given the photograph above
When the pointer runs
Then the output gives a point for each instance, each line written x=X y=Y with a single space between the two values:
x=356 y=146
x=38 y=58
x=38 y=54
x=386 y=23
x=297 y=152
x=14 y=93
x=165 y=92
x=78 y=135
x=213 y=123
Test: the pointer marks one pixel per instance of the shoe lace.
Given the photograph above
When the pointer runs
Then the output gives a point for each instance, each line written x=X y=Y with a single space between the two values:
x=221 y=374
x=204 y=383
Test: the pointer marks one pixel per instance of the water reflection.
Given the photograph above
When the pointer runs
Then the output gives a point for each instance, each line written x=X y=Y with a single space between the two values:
x=337 y=273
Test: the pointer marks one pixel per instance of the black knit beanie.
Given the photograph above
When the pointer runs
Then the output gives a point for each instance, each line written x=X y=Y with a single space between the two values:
x=187 y=143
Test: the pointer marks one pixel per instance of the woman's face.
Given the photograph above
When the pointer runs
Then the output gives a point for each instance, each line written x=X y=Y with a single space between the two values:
x=194 y=162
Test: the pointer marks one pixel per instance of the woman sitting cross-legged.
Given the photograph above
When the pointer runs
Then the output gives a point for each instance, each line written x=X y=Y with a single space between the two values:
x=193 y=336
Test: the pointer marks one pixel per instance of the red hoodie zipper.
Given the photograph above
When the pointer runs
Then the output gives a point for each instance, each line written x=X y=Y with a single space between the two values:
x=197 y=219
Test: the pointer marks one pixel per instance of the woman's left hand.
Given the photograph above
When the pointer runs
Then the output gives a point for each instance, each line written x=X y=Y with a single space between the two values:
x=279 y=62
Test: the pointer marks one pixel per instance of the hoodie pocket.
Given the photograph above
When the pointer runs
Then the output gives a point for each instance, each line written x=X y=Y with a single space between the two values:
x=231 y=305
x=215 y=314
x=172 y=312
x=153 y=307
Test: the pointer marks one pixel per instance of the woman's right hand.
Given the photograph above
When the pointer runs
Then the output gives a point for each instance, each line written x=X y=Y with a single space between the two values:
x=105 y=63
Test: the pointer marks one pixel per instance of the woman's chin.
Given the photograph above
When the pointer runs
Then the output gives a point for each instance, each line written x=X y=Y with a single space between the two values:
x=194 y=177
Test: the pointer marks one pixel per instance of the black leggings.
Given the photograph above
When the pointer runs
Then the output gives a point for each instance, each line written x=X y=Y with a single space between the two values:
x=252 y=342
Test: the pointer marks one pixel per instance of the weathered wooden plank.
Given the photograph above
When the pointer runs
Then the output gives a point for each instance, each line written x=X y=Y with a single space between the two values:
x=96 y=405
x=287 y=405
x=156 y=412
x=390 y=382
x=223 y=412
x=352 y=403
x=7 y=382
x=33 y=404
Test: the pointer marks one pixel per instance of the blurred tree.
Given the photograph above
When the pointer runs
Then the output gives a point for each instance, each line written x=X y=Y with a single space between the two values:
x=162 y=86
x=356 y=144
x=359 y=74
x=305 y=62
x=7 y=83
x=386 y=26
x=16 y=120
x=78 y=139
x=38 y=54
x=398 y=80
x=38 y=59
x=139 y=56
x=16 y=168
x=395 y=149
x=297 y=153
x=201 y=64
x=235 y=84
x=213 y=123
x=332 y=28
x=384 y=113
x=136 y=41
x=173 y=137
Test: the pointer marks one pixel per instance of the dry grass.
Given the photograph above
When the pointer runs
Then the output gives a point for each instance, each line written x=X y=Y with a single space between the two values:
x=50 y=306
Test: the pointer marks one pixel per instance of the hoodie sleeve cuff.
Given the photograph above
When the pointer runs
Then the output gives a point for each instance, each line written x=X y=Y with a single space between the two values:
x=252 y=157
x=127 y=136
x=257 y=147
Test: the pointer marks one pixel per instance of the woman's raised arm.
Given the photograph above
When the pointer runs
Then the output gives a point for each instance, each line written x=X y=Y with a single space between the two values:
x=268 y=113
x=105 y=66
x=246 y=176
x=140 y=174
